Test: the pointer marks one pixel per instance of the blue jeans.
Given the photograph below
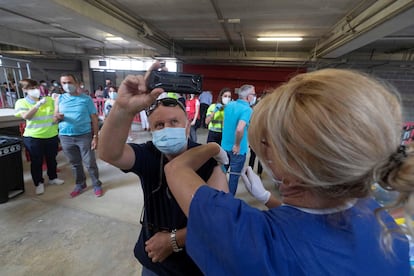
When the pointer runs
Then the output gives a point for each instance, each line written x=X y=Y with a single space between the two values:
x=236 y=165
x=193 y=133
x=78 y=149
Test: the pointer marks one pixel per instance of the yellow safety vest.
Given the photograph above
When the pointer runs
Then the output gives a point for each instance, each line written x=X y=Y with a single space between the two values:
x=41 y=124
x=216 y=123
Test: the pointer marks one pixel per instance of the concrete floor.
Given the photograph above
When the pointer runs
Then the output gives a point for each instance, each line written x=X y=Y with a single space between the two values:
x=53 y=234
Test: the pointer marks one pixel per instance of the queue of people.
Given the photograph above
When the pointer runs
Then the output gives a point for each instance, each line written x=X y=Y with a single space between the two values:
x=63 y=114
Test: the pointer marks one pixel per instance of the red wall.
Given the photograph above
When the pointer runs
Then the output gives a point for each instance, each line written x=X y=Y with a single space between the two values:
x=216 y=77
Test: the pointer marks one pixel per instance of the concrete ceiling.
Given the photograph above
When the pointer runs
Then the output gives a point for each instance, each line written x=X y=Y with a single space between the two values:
x=210 y=31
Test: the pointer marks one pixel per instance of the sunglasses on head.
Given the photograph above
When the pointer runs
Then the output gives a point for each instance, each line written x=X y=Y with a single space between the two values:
x=170 y=102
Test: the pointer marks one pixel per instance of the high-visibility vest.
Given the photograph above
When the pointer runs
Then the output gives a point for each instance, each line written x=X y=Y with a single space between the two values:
x=41 y=124
x=216 y=123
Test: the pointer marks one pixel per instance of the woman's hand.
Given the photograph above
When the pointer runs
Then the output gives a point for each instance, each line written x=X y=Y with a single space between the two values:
x=254 y=185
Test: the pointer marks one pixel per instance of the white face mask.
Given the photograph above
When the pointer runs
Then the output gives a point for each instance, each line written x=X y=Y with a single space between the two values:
x=253 y=101
x=269 y=172
x=225 y=100
x=34 y=93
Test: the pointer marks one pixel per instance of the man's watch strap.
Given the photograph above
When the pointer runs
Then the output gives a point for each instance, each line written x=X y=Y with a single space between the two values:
x=173 y=240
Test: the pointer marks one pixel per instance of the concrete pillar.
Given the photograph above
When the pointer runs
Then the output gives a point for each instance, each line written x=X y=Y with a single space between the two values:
x=86 y=75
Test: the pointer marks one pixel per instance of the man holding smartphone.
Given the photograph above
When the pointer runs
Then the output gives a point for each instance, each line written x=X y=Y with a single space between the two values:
x=161 y=244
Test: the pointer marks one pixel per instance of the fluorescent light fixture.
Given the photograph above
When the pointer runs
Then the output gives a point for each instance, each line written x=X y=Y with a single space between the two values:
x=17 y=52
x=280 y=38
x=66 y=38
x=114 y=38
x=201 y=38
x=57 y=25
x=233 y=20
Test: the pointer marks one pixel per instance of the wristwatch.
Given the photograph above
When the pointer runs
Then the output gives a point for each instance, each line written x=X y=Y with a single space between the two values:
x=173 y=241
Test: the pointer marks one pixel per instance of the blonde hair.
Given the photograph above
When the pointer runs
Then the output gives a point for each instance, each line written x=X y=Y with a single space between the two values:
x=336 y=131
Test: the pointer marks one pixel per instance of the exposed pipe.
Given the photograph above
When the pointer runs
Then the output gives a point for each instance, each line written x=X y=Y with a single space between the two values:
x=222 y=22
x=350 y=27
x=119 y=14
x=147 y=31
x=243 y=43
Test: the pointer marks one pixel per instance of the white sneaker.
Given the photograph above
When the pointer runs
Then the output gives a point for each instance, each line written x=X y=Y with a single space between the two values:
x=56 y=181
x=40 y=189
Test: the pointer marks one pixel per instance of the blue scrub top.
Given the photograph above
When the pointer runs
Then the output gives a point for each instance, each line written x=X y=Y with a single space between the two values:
x=225 y=236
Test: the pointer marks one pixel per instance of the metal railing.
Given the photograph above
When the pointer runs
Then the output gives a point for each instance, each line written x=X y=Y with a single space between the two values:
x=14 y=70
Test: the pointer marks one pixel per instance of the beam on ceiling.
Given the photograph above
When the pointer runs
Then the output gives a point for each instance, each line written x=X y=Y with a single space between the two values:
x=380 y=19
x=122 y=53
x=290 y=58
x=117 y=22
x=149 y=34
x=222 y=21
x=251 y=57
x=29 y=41
x=28 y=17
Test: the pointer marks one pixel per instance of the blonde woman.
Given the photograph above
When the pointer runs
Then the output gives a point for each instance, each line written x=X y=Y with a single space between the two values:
x=324 y=137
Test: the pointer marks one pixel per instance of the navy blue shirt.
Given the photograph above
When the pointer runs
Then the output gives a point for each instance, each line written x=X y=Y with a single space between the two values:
x=162 y=212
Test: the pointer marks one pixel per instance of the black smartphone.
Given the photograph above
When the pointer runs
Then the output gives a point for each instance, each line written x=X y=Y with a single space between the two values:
x=175 y=82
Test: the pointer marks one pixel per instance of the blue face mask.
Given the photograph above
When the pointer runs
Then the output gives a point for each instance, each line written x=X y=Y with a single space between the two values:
x=69 y=88
x=113 y=95
x=170 y=140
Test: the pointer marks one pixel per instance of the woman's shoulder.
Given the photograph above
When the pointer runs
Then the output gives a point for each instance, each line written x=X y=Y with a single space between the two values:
x=21 y=101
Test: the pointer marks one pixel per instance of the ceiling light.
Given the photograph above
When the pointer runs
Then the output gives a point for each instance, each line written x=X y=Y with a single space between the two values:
x=57 y=25
x=280 y=38
x=201 y=38
x=66 y=38
x=114 y=38
x=233 y=20
x=17 y=52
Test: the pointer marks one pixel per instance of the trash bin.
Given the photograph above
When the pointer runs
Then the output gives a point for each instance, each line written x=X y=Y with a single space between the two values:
x=11 y=168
